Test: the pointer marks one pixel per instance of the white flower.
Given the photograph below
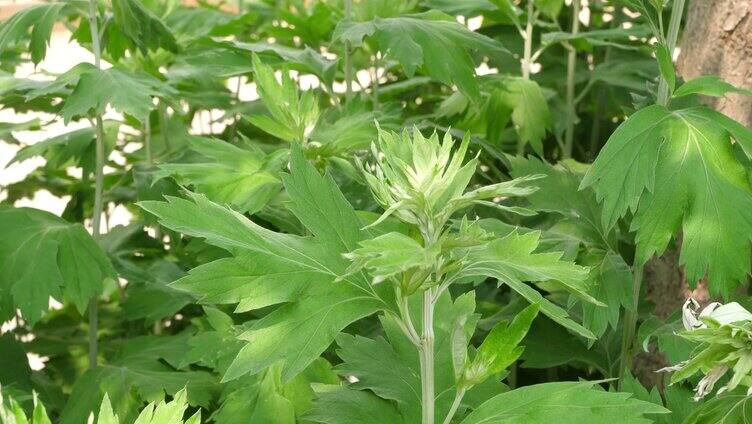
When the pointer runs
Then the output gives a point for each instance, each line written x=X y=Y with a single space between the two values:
x=718 y=312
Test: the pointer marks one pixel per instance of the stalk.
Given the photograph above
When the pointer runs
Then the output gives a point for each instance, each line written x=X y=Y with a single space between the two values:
x=526 y=61
x=98 y=186
x=236 y=117
x=571 y=68
x=673 y=33
x=348 y=59
x=375 y=82
x=147 y=142
x=163 y=124
x=456 y=404
x=630 y=324
x=426 y=359
x=528 y=38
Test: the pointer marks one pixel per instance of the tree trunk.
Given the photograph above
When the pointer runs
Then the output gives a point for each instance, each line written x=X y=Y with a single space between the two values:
x=718 y=40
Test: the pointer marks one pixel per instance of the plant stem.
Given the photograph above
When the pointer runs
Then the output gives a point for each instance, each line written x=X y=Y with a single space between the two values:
x=677 y=10
x=630 y=324
x=375 y=82
x=456 y=404
x=571 y=68
x=98 y=186
x=528 y=36
x=147 y=142
x=526 y=60
x=426 y=358
x=348 y=59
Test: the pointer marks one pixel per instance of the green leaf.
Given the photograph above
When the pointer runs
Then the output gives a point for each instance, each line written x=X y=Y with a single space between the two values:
x=382 y=370
x=709 y=85
x=666 y=65
x=677 y=168
x=106 y=414
x=467 y=8
x=40 y=18
x=125 y=91
x=723 y=409
x=613 y=37
x=144 y=369
x=559 y=193
x=243 y=179
x=612 y=285
x=72 y=148
x=293 y=115
x=500 y=347
x=340 y=405
x=550 y=8
x=511 y=260
x=298 y=332
x=39 y=414
x=141 y=25
x=565 y=403
x=391 y=254
x=44 y=256
x=530 y=113
x=319 y=204
x=432 y=42
x=306 y=60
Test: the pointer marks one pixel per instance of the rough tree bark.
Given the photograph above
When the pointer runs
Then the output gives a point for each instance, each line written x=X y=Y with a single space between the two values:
x=718 y=40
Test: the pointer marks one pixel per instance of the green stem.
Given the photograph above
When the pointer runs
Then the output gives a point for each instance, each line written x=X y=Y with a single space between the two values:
x=456 y=404
x=427 y=359
x=348 y=59
x=630 y=325
x=163 y=124
x=147 y=142
x=677 y=10
x=571 y=68
x=98 y=187
x=528 y=36
x=375 y=82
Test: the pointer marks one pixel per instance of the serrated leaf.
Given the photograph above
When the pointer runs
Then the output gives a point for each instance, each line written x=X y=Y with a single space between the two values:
x=72 y=148
x=40 y=18
x=500 y=347
x=143 y=27
x=243 y=179
x=530 y=113
x=293 y=115
x=125 y=91
x=298 y=332
x=432 y=42
x=612 y=285
x=142 y=371
x=391 y=254
x=44 y=256
x=512 y=261
x=677 y=168
x=340 y=405
x=304 y=60
x=565 y=403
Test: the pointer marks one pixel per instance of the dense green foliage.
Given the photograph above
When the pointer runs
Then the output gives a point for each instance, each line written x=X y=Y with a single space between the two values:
x=427 y=212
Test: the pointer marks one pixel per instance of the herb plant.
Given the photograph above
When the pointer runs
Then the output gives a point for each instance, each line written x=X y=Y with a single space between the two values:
x=369 y=211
